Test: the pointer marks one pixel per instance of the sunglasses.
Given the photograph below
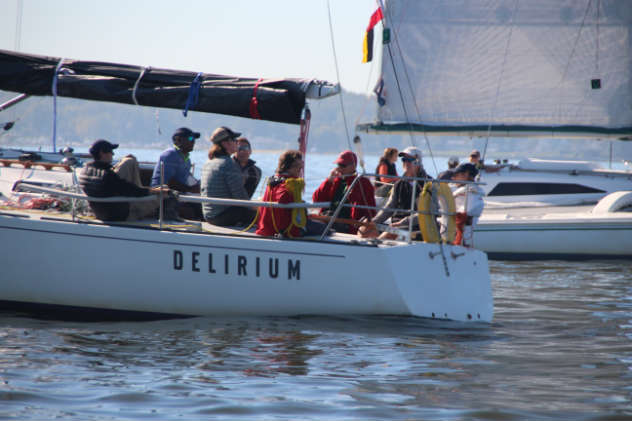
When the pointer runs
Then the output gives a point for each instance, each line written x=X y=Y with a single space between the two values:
x=191 y=139
x=408 y=159
x=244 y=148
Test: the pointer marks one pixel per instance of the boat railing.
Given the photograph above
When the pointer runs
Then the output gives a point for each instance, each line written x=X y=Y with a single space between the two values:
x=437 y=211
x=33 y=187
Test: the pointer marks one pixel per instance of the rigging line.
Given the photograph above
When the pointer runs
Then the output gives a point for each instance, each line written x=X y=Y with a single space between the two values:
x=587 y=97
x=579 y=31
x=18 y=24
x=597 y=38
x=570 y=56
x=399 y=88
x=333 y=47
x=412 y=94
x=367 y=99
x=500 y=78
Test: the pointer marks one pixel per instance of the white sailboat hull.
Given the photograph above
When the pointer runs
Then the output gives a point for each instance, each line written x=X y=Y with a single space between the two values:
x=555 y=235
x=63 y=263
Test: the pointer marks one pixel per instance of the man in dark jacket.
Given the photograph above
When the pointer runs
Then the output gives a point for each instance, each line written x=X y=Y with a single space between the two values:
x=98 y=179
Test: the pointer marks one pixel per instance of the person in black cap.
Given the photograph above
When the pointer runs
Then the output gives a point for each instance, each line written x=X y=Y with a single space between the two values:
x=176 y=167
x=222 y=178
x=468 y=199
x=99 y=179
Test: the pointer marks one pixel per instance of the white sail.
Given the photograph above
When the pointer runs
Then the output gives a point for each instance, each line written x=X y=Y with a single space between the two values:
x=548 y=67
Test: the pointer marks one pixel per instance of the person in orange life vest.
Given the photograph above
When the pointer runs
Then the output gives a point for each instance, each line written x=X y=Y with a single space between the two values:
x=468 y=199
x=286 y=187
x=334 y=187
x=386 y=167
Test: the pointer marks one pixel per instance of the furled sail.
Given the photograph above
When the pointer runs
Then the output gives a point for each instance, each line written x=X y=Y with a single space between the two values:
x=507 y=68
x=280 y=100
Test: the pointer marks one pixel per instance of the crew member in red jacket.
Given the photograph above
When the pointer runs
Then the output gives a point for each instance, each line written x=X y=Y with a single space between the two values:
x=334 y=187
x=286 y=187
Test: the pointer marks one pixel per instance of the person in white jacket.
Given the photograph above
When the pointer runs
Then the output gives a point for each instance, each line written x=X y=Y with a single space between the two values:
x=468 y=199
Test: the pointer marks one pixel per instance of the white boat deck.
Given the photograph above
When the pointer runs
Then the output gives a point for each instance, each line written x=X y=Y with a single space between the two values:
x=185 y=226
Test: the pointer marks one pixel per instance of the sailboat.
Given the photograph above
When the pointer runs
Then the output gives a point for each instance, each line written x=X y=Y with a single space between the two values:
x=520 y=69
x=63 y=262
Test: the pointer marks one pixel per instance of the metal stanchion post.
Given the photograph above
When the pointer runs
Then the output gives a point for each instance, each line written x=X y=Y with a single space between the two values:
x=162 y=180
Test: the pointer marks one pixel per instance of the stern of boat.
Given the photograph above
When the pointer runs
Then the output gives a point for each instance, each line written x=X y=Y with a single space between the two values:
x=443 y=281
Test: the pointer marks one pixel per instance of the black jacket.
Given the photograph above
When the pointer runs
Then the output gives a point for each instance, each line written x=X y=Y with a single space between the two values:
x=251 y=174
x=400 y=198
x=98 y=180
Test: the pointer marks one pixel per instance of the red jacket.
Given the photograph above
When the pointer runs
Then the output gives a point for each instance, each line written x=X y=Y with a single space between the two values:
x=363 y=193
x=282 y=217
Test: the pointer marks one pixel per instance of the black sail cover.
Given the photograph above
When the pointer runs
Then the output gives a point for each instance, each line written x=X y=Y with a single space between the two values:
x=280 y=100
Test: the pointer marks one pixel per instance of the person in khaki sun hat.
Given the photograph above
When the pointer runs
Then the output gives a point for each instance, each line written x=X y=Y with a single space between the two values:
x=222 y=178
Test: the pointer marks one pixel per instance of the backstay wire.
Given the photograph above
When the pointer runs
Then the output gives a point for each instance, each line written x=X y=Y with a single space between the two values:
x=333 y=48
x=395 y=39
x=342 y=106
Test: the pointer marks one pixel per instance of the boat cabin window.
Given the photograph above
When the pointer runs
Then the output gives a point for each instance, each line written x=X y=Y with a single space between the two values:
x=525 y=189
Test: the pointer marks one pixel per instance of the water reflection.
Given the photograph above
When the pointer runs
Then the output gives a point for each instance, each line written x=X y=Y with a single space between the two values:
x=559 y=347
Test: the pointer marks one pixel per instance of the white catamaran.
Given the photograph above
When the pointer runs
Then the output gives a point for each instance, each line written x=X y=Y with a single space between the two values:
x=64 y=261
x=521 y=69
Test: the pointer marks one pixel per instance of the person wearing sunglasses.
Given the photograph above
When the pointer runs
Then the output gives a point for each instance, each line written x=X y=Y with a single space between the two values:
x=100 y=179
x=251 y=173
x=176 y=170
x=335 y=186
x=221 y=178
x=402 y=192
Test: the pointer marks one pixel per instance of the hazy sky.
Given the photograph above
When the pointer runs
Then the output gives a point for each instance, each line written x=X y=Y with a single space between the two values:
x=253 y=38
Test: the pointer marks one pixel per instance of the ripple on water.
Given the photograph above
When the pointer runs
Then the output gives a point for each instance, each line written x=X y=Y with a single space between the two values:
x=559 y=348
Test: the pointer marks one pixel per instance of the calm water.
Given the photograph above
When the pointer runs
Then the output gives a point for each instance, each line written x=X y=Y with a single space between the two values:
x=560 y=347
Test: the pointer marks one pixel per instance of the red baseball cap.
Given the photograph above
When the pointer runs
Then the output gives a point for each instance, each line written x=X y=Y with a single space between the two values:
x=347 y=158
